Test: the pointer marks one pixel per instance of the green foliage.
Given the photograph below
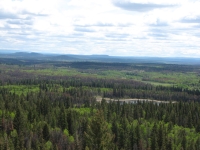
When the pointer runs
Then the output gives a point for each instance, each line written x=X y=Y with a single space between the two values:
x=71 y=139
x=14 y=134
x=12 y=115
x=83 y=111
x=48 y=145
x=19 y=121
x=53 y=106
x=98 y=134
x=46 y=132
x=66 y=132
x=21 y=89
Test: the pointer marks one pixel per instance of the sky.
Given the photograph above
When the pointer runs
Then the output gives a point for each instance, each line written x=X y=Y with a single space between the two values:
x=162 y=28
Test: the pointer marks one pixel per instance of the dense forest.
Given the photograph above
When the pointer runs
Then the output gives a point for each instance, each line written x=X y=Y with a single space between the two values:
x=53 y=106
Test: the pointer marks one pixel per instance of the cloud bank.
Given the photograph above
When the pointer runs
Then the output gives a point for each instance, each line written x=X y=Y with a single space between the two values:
x=140 y=7
x=112 y=27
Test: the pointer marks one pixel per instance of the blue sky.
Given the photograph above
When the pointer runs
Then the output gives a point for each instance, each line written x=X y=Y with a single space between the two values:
x=113 y=27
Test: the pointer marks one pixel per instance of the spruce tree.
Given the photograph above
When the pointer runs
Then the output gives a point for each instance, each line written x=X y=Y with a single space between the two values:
x=46 y=132
x=98 y=135
x=19 y=121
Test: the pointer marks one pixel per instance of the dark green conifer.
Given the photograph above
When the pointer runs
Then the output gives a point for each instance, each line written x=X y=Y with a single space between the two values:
x=98 y=135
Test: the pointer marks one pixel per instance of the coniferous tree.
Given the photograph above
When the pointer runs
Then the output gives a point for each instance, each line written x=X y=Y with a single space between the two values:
x=98 y=134
x=19 y=121
x=46 y=132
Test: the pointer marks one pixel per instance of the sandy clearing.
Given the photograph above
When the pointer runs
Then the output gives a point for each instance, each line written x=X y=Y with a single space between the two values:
x=133 y=100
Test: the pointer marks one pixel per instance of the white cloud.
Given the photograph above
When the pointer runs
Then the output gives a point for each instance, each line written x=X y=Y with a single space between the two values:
x=114 y=27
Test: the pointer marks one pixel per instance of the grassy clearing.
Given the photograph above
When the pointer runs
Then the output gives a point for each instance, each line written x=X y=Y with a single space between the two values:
x=158 y=83
x=83 y=111
x=21 y=89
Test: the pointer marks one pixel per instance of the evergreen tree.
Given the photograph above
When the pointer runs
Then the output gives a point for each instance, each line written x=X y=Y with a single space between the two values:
x=19 y=121
x=46 y=132
x=98 y=135
x=169 y=144
x=62 y=118
x=154 y=138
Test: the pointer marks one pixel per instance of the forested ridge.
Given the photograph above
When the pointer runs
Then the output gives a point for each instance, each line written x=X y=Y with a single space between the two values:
x=49 y=109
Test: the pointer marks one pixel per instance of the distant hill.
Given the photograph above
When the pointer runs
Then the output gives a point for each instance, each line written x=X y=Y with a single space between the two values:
x=64 y=57
x=26 y=54
x=2 y=51
x=96 y=58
